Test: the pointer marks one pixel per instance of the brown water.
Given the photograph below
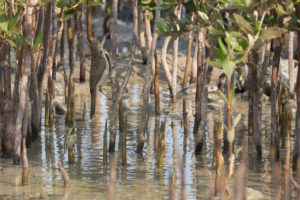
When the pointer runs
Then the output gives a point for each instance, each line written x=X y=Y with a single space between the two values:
x=140 y=177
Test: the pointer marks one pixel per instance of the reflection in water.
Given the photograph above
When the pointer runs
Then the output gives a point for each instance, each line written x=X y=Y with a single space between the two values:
x=168 y=144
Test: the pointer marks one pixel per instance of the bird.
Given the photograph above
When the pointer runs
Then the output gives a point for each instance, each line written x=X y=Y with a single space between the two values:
x=100 y=65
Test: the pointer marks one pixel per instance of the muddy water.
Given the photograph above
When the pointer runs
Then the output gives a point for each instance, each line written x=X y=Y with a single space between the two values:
x=140 y=177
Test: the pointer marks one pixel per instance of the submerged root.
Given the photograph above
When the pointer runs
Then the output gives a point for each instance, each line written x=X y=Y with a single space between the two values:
x=64 y=174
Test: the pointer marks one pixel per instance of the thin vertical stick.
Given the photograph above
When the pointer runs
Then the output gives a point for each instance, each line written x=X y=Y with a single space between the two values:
x=291 y=62
x=105 y=144
x=156 y=85
x=194 y=64
x=117 y=97
x=25 y=164
x=142 y=34
x=146 y=89
x=287 y=171
x=274 y=83
x=175 y=59
x=219 y=157
x=188 y=63
x=112 y=177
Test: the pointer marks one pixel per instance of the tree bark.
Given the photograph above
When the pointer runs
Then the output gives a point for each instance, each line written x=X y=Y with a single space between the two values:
x=175 y=59
x=24 y=79
x=156 y=85
x=117 y=97
x=149 y=38
x=165 y=63
x=256 y=96
x=296 y=159
x=291 y=62
x=106 y=23
x=52 y=56
x=146 y=89
x=188 y=63
x=71 y=44
x=46 y=33
x=142 y=39
x=194 y=65
x=80 y=45
x=200 y=66
x=7 y=106
x=274 y=125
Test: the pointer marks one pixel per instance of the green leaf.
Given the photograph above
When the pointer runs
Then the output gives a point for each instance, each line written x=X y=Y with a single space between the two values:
x=272 y=33
x=146 y=1
x=215 y=63
x=4 y=22
x=228 y=68
x=38 y=40
x=270 y=4
x=203 y=16
x=279 y=10
x=215 y=33
x=190 y=5
x=236 y=120
x=222 y=95
x=163 y=7
x=219 y=53
x=243 y=24
x=248 y=2
x=230 y=135
x=150 y=16
x=258 y=43
x=19 y=40
x=251 y=40
x=13 y=21
x=222 y=46
x=12 y=43
x=290 y=8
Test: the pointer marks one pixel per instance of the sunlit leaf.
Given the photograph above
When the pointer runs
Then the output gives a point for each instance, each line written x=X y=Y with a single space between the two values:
x=150 y=16
x=243 y=24
x=230 y=135
x=272 y=33
x=279 y=10
x=12 y=43
x=145 y=1
x=222 y=95
x=248 y=2
x=4 y=22
x=258 y=43
x=215 y=63
x=236 y=120
x=228 y=68
x=13 y=21
x=203 y=16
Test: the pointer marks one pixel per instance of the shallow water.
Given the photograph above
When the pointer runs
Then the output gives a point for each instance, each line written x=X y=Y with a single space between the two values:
x=141 y=176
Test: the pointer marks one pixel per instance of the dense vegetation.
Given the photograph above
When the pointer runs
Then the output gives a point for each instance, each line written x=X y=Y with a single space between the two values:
x=231 y=35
